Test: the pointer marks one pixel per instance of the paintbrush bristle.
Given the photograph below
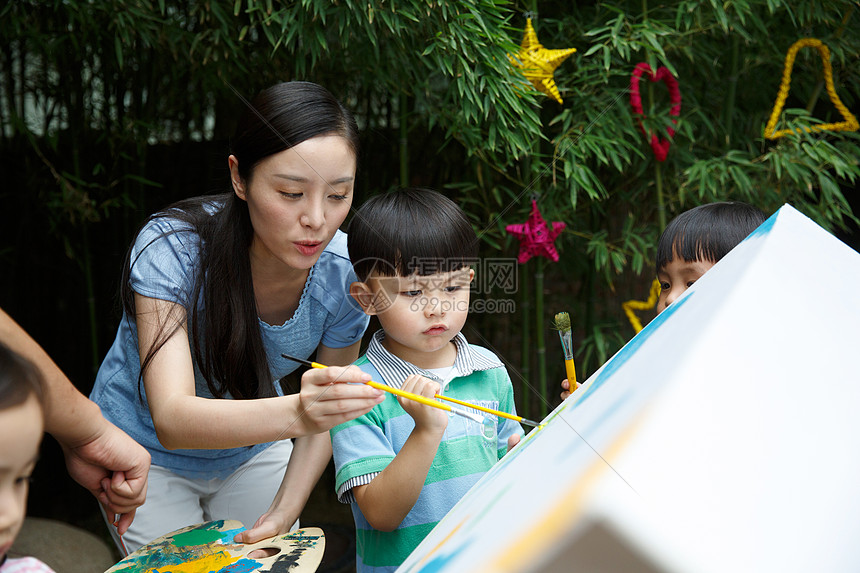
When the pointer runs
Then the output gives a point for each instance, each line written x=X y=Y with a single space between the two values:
x=562 y=321
x=307 y=363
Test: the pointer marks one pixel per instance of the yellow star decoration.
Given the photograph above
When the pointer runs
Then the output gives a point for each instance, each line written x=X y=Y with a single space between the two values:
x=538 y=64
x=632 y=305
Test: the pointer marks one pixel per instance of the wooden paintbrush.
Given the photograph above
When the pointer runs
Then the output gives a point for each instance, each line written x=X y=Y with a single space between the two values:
x=562 y=323
x=427 y=401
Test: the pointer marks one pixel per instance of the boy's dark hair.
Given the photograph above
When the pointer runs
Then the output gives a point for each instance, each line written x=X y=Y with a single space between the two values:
x=19 y=379
x=410 y=231
x=707 y=232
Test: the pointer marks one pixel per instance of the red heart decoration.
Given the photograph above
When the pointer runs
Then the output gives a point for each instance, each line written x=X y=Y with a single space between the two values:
x=660 y=146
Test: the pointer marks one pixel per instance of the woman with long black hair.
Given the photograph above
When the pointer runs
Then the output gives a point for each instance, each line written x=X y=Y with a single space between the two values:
x=215 y=289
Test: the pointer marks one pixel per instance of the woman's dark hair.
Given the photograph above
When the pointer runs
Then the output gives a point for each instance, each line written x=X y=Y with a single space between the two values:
x=19 y=379
x=225 y=335
x=410 y=231
x=707 y=232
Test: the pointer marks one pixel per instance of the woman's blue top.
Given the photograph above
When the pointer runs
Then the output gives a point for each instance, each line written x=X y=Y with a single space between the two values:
x=164 y=262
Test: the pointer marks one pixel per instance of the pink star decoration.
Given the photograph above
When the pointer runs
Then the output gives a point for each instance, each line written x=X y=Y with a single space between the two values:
x=535 y=236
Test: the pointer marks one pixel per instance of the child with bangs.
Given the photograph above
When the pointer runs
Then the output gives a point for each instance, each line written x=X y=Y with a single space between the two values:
x=21 y=426
x=403 y=465
x=692 y=243
x=696 y=240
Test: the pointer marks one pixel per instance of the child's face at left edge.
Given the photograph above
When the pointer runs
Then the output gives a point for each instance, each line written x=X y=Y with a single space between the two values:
x=677 y=276
x=21 y=428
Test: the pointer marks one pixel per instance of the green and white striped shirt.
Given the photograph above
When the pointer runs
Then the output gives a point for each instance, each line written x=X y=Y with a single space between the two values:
x=365 y=446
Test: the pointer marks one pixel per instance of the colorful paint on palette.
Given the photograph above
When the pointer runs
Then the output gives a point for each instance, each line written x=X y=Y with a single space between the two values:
x=301 y=543
x=242 y=566
x=208 y=548
x=199 y=549
x=196 y=537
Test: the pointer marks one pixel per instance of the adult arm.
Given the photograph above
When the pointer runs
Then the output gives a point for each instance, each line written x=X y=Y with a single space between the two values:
x=99 y=456
x=184 y=420
x=308 y=461
x=390 y=496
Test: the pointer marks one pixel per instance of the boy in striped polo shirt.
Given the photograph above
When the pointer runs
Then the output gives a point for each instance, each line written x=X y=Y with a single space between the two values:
x=403 y=465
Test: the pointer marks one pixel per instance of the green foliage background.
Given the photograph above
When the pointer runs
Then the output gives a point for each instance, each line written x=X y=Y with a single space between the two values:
x=110 y=110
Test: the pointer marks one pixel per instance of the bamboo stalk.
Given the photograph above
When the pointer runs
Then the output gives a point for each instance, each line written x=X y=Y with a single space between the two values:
x=526 y=341
x=539 y=333
x=91 y=299
x=404 y=131
x=661 y=206
x=731 y=95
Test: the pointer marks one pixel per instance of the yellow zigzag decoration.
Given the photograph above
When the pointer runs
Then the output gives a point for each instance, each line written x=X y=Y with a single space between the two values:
x=632 y=305
x=850 y=123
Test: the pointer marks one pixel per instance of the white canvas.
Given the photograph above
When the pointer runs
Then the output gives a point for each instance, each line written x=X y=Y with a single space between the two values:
x=724 y=437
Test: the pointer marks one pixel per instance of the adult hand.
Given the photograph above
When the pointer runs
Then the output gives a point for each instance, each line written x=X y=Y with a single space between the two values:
x=327 y=399
x=309 y=459
x=99 y=456
x=114 y=468
x=270 y=524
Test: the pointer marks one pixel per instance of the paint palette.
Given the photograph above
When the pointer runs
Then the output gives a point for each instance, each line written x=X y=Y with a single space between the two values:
x=209 y=548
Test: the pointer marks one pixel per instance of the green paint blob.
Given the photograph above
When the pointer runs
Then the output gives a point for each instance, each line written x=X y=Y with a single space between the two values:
x=196 y=537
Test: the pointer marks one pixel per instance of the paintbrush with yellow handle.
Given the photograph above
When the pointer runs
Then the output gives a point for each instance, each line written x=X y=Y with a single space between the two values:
x=427 y=401
x=562 y=323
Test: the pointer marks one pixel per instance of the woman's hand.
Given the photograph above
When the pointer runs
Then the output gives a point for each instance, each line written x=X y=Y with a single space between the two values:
x=276 y=521
x=328 y=400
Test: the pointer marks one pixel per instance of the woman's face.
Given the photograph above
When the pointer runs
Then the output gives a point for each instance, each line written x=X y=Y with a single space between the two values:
x=297 y=199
